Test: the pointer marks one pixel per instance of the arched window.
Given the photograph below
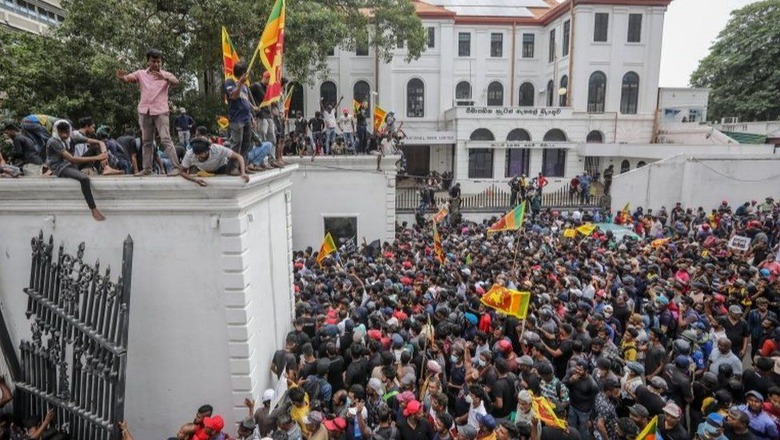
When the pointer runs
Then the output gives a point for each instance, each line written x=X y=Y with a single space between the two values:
x=564 y=97
x=361 y=92
x=463 y=91
x=495 y=94
x=640 y=164
x=328 y=93
x=527 y=91
x=629 y=94
x=550 y=93
x=518 y=135
x=595 y=137
x=296 y=102
x=597 y=92
x=482 y=134
x=555 y=135
x=415 y=98
x=624 y=166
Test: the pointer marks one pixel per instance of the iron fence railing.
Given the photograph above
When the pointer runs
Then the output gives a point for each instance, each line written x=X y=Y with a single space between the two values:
x=493 y=198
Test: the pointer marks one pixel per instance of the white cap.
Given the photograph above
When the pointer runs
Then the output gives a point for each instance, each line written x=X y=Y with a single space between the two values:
x=183 y=110
x=268 y=395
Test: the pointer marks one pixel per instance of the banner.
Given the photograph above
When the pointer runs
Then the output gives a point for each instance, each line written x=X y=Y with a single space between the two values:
x=280 y=389
x=586 y=229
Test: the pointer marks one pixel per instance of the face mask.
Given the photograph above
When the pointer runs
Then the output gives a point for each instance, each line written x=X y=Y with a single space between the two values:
x=454 y=359
x=469 y=399
x=349 y=401
x=482 y=363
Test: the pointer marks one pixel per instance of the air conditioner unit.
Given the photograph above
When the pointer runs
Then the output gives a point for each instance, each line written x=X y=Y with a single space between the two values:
x=464 y=103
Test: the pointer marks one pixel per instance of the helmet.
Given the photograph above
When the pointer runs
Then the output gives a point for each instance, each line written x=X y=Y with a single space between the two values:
x=505 y=345
x=681 y=346
x=690 y=336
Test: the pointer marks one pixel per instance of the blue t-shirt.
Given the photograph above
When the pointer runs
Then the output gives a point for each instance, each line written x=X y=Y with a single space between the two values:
x=239 y=109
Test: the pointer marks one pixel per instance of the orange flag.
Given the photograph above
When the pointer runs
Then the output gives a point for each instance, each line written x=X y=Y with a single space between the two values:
x=437 y=247
x=545 y=411
x=229 y=55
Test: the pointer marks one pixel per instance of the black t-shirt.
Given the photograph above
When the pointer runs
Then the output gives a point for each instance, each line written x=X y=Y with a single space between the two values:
x=504 y=389
x=561 y=362
x=132 y=147
x=300 y=126
x=335 y=373
x=654 y=358
x=731 y=435
x=282 y=358
x=756 y=382
x=360 y=117
x=679 y=385
x=582 y=393
x=357 y=373
x=553 y=433
x=258 y=94
x=653 y=402
x=736 y=333
x=26 y=151
x=676 y=433
x=316 y=124
x=308 y=369
x=423 y=431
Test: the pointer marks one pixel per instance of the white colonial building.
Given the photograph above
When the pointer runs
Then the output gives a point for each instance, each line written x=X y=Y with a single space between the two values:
x=510 y=87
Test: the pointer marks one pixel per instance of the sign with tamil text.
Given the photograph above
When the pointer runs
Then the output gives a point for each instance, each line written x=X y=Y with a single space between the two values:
x=430 y=138
x=739 y=242
x=514 y=112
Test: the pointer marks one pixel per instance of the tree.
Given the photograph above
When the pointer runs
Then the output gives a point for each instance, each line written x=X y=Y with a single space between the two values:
x=743 y=66
x=70 y=72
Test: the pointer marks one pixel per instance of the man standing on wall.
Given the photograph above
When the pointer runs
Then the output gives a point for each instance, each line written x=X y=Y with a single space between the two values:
x=153 y=111
x=362 y=118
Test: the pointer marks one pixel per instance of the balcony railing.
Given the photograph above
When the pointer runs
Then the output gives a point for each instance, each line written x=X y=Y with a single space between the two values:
x=493 y=199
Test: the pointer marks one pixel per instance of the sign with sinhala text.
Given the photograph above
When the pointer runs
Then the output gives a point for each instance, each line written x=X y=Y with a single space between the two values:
x=430 y=138
x=739 y=242
x=515 y=112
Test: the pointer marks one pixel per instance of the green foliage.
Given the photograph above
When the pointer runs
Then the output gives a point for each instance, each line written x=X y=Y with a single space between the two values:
x=743 y=66
x=70 y=73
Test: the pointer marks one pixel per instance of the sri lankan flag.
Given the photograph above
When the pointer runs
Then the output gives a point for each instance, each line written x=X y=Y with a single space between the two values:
x=437 y=247
x=545 y=412
x=229 y=55
x=440 y=215
x=511 y=222
x=288 y=99
x=379 y=118
x=271 y=47
x=625 y=214
x=355 y=106
x=328 y=247
x=651 y=431
x=509 y=302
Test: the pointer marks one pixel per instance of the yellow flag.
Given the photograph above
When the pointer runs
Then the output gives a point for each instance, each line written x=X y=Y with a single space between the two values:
x=586 y=229
x=379 y=117
x=570 y=233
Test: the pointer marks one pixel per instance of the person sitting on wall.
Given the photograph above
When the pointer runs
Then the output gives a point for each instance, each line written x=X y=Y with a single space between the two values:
x=210 y=159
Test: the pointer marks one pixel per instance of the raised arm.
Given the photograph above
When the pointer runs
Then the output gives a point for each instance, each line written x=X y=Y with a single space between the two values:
x=125 y=77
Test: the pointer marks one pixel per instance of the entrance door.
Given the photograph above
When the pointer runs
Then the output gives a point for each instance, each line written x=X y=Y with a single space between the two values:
x=418 y=160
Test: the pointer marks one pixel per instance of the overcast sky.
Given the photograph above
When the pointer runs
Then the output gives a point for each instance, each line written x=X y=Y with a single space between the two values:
x=690 y=28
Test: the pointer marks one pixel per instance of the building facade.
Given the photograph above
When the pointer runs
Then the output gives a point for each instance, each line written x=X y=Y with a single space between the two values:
x=31 y=15
x=509 y=88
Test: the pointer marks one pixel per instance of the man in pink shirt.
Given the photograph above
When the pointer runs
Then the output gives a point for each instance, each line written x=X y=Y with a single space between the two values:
x=153 y=108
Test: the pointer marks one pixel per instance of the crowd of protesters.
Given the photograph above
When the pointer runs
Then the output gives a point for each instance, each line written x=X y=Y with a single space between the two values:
x=391 y=343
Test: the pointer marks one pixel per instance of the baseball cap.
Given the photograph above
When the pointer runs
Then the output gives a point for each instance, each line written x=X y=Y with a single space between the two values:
x=673 y=410
x=639 y=410
x=659 y=383
x=682 y=361
x=406 y=397
x=268 y=395
x=486 y=420
x=337 y=424
x=735 y=309
x=467 y=431
x=215 y=423
x=412 y=408
x=755 y=394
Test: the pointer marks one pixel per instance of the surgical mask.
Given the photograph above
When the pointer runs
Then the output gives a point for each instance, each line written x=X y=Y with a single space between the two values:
x=469 y=399
x=482 y=363
x=454 y=359
x=349 y=402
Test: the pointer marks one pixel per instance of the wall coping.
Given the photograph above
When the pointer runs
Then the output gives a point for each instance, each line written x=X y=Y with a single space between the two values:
x=161 y=194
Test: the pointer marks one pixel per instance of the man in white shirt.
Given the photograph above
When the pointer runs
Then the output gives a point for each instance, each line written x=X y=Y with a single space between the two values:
x=346 y=124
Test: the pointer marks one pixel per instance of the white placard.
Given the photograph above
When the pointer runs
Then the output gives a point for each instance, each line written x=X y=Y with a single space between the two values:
x=739 y=242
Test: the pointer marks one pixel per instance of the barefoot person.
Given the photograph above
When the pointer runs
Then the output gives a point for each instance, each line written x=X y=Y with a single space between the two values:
x=63 y=164
x=153 y=108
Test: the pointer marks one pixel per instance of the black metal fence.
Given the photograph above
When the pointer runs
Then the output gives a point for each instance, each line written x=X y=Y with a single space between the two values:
x=494 y=198
x=75 y=364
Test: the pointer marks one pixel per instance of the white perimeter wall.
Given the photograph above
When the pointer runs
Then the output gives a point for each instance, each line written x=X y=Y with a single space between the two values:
x=701 y=180
x=343 y=186
x=211 y=288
